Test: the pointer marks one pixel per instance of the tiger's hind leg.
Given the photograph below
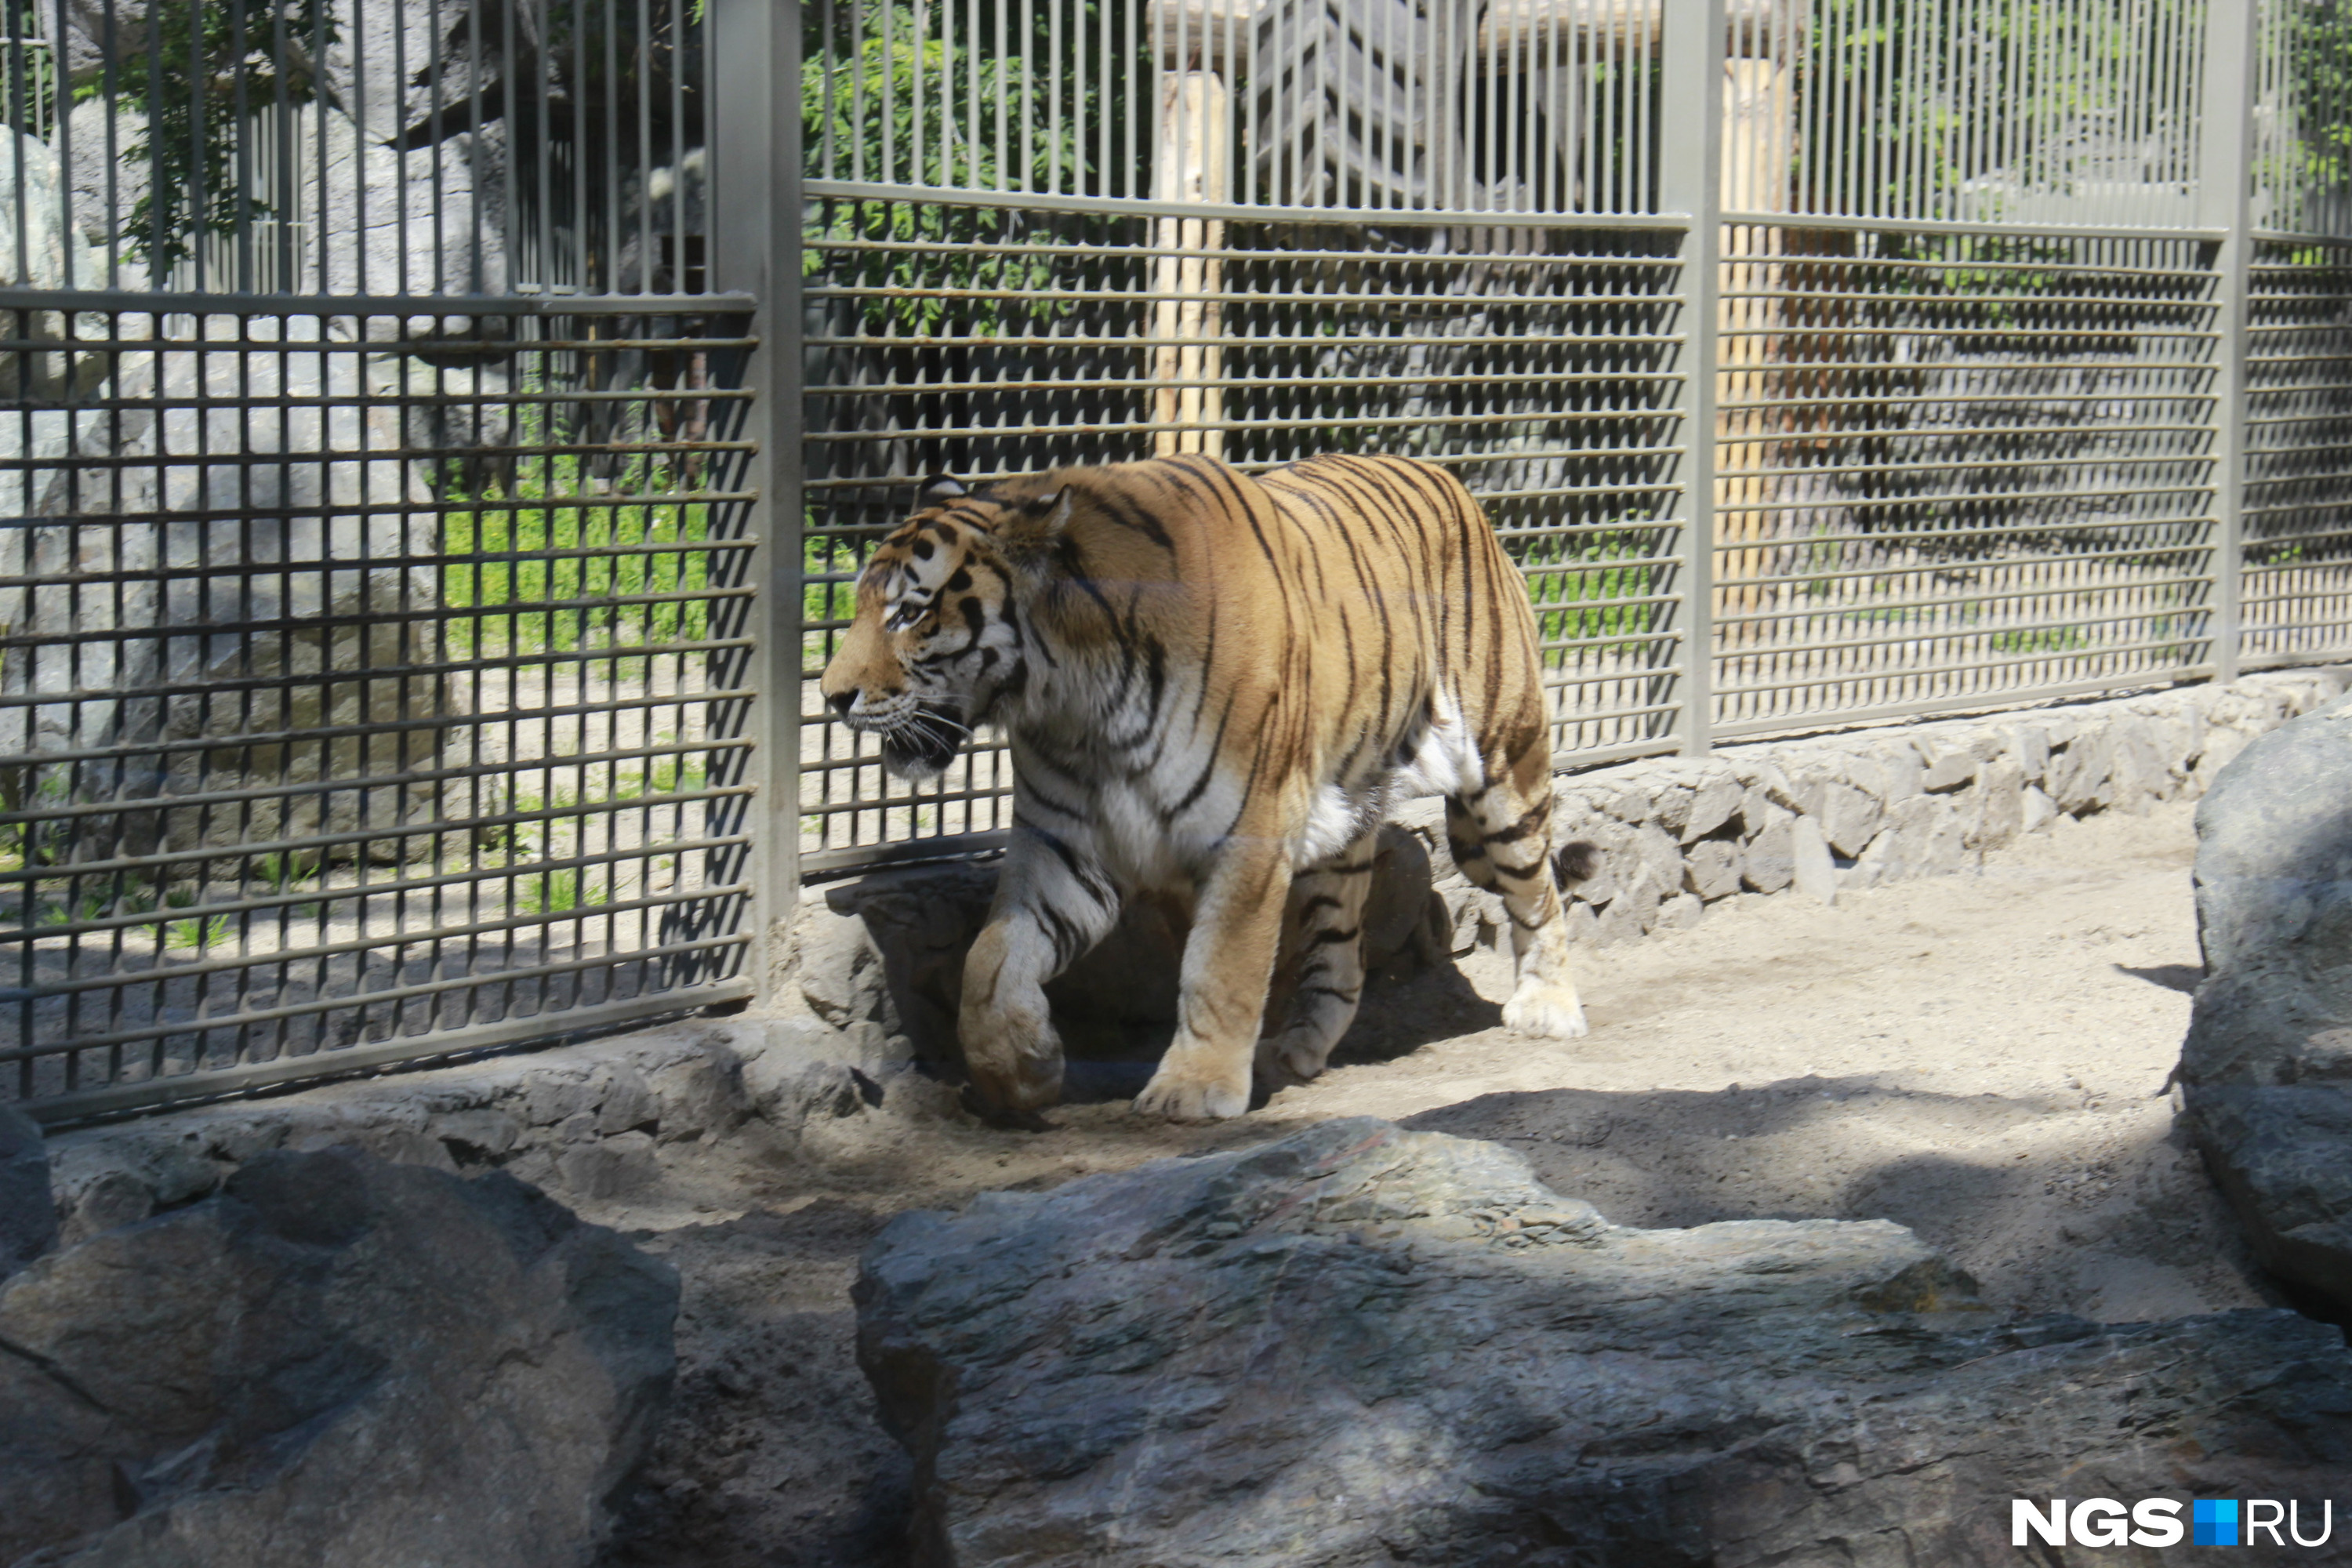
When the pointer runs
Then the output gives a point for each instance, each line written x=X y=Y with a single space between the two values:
x=1501 y=839
x=1322 y=960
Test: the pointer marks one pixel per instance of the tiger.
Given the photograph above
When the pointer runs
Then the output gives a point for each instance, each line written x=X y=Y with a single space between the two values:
x=1213 y=688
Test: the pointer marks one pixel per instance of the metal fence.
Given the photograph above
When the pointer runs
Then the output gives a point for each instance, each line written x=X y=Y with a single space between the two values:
x=1936 y=355
x=441 y=435
x=377 y=604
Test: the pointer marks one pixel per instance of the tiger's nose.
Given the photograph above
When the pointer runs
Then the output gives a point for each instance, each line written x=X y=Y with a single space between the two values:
x=844 y=701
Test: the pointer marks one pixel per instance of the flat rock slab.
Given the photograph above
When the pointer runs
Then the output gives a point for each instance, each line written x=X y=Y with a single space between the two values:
x=1361 y=1345
x=2267 y=1066
x=336 y=1361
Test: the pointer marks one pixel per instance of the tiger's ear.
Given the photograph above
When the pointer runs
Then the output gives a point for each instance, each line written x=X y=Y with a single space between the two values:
x=1037 y=522
x=940 y=489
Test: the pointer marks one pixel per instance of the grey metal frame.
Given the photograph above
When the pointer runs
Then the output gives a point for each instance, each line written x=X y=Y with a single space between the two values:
x=408 y=642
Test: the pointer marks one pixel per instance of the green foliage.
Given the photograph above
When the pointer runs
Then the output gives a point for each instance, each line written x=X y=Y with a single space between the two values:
x=2319 y=157
x=556 y=892
x=206 y=67
x=864 y=93
x=284 y=870
x=2040 y=639
x=1922 y=68
x=28 y=76
x=536 y=574
x=197 y=932
x=1577 y=583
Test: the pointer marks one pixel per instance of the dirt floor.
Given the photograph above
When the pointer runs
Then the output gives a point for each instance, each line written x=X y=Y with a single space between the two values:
x=1982 y=1057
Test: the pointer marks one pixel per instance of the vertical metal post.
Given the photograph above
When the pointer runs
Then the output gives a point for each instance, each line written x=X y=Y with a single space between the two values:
x=2225 y=201
x=1691 y=52
x=754 y=212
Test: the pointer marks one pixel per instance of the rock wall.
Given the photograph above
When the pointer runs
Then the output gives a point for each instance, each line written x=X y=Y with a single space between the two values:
x=333 y=1360
x=677 y=1116
x=28 y=1221
x=1823 y=815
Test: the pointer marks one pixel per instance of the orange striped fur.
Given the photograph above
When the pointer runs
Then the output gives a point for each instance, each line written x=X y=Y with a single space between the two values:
x=1217 y=686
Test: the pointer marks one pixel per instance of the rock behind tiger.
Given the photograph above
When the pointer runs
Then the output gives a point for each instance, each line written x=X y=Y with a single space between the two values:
x=1362 y=1345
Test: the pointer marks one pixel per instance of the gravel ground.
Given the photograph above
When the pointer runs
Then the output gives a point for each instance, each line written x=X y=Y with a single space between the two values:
x=1982 y=1057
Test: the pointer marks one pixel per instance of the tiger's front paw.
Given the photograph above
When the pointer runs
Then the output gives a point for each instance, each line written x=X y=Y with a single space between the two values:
x=1551 y=1010
x=1179 y=1097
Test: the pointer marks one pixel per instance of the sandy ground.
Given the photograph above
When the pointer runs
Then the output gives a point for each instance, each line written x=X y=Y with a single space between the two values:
x=1982 y=1057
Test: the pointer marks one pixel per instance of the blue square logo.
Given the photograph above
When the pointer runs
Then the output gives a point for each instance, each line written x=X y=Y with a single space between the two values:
x=2213 y=1521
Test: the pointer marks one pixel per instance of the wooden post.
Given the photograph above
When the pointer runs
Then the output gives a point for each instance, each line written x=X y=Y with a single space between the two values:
x=1187 y=318
x=1758 y=139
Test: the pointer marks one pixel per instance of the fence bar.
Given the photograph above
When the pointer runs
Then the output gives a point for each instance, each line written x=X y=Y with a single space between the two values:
x=756 y=249
x=2225 y=201
x=1690 y=162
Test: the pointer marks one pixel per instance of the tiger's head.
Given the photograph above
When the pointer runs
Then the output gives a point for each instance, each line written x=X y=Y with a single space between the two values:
x=936 y=649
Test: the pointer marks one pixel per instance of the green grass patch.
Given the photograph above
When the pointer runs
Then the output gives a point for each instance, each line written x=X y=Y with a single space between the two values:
x=2040 y=640
x=547 y=576
x=560 y=892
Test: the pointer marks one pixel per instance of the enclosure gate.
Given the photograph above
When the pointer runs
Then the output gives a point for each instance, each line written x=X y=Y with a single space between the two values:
x=438 y=437
x=377 y=625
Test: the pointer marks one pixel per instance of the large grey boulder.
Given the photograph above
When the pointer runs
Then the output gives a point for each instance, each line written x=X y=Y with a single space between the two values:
x=336 y=1359
x=1361 y=1345
x=29 y=1214
x=2267 y=1066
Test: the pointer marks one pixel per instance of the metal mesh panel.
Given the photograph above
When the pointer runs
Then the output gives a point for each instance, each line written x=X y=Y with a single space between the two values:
x=1536 y=363
x=2010 y=112
x=28 y=73
x=2298 y=496
x=311 y=739
x=1529 y=106
x=1957 y=468
x=375 y=633
x=2302 y=171
x=1048 y=234
x=350 y=148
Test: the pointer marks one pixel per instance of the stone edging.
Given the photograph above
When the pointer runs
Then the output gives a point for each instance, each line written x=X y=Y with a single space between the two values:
x=1829 y=813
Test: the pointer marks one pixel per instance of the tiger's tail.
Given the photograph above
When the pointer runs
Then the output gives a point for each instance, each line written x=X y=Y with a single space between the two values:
x=1575 y=863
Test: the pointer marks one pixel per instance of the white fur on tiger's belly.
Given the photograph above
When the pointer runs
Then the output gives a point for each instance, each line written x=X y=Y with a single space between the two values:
x=1335 y=821
x=1445 y=762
